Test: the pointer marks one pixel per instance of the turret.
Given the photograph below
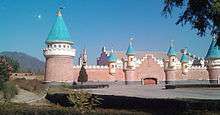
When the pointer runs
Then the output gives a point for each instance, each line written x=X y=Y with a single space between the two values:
x=184 y=62
x=129 y=65
x=172 y=56
x=213 y=60
x=130 y=55
x=83 y=59
x=170 y=65
x=112 y=63
x=59 y=52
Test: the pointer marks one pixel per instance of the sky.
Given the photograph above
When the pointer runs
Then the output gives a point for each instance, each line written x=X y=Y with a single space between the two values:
x=25 y=24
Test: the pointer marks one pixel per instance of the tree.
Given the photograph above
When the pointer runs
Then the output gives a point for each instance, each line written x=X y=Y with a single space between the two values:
x=83 y=77
x=202 y=15
x=7 y=66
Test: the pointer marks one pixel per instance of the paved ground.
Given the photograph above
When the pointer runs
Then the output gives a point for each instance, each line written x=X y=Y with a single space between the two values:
x=159 y=92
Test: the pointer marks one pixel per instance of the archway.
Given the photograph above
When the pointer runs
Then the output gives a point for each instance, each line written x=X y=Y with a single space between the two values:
x=149 y=81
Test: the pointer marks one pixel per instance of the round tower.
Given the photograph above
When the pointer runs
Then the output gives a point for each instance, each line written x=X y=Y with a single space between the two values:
x=170 y=70
x=59 y=53
x=130 y=64
x=184 y=62
x=112 y=63
x=213 y=60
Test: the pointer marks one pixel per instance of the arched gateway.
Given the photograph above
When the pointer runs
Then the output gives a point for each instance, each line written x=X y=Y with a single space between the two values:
x=149 y=81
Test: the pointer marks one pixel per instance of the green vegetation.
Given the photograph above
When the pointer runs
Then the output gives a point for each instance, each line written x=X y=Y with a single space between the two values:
x=83 y=77
x=9 y=91
x=7 y=66
x=83 y=101
x=25 y=109
x=203 y=15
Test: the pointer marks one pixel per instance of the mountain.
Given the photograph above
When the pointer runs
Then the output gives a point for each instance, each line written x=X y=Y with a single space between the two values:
x=27 y=63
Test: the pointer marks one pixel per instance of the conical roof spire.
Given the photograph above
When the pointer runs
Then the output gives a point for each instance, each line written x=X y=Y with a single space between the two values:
x=59 y=31
x=112 y=57
x=184 y=57
x=130 y=50
x=171 y=51
x=214 y=49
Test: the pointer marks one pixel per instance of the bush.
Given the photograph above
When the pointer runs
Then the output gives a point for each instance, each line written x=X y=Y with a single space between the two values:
x=9 y=91
x=83 y=101
x=83 y=76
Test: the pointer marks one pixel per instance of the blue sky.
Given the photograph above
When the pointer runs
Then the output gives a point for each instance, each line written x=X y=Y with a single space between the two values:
x=25 y=25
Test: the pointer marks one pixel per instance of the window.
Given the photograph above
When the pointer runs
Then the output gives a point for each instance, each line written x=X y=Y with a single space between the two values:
x=59 y=46
x=173 y=60
x=112 y=66
x=48 y=46
x=55 y=46
x=64 y=46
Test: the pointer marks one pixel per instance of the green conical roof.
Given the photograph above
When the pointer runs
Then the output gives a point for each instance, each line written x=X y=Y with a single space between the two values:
x=171 y=51
x=112 y=57
x=130 y=50
x=214 y=50
x=184 y=58
x=59 y=31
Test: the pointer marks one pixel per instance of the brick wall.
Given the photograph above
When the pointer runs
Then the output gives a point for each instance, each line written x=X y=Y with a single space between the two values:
x=150 y=69
x=59 y=68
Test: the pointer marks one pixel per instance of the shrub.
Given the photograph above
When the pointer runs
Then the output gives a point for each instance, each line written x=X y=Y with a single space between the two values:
x=83 y=76
x=83 y=101
x=9 y=91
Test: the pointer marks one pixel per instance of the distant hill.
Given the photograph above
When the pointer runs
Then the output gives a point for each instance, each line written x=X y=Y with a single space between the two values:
x=27 y=62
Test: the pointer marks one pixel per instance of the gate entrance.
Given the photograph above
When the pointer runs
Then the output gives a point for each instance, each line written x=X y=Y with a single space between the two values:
x=150 y=81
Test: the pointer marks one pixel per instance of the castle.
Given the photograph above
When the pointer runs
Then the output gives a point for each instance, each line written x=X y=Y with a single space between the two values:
x=131 y=67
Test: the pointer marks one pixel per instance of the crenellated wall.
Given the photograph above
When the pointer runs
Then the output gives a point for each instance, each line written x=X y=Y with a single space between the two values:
x=149 y=68
x=99 y=73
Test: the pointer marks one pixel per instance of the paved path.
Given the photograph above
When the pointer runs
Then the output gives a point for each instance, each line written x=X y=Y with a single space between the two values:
x=159 y=92
x=26 y=97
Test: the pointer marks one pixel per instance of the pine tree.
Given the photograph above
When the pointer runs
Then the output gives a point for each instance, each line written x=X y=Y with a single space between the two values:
x=83 y=77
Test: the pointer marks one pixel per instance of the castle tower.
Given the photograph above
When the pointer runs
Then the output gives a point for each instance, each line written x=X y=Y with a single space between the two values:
x=170 y=70
x=59 y=53
x=112 y=63
x=83 y=59
x=213 y=61
x=184 y=62
x=130 y=64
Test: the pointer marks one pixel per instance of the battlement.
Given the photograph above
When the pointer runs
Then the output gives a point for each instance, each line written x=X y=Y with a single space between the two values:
x=94 y=67
x=159 y=62
x=59 y=51
x=197 y=67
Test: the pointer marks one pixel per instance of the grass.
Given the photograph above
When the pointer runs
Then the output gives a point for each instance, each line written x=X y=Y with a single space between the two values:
x=25 y=109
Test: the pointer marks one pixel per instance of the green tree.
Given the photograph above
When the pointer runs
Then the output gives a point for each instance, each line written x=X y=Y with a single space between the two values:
x=7 y=66
x=83 y=77
x=202 y=15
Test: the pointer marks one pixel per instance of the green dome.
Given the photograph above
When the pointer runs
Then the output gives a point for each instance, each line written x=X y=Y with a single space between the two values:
x=112 y=57
x=59 y=31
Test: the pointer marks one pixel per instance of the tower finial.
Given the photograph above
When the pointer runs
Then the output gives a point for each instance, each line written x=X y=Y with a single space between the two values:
x=131 y=38
x=171 y=43
x=59 y=11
